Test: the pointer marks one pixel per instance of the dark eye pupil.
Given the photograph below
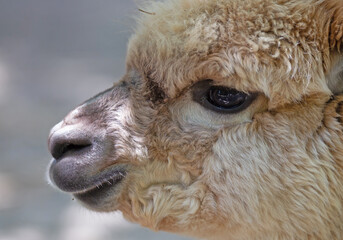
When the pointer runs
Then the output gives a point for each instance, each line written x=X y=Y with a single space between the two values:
x=226 y=98
x=221 y=99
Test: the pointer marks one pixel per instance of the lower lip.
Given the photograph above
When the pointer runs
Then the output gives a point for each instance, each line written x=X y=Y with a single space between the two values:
x=101 y=189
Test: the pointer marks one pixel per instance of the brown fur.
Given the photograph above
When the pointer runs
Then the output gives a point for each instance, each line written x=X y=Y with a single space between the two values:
x=272 y=171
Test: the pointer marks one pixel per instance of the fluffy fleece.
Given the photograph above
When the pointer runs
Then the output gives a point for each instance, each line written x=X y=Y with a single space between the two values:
x=272 y=171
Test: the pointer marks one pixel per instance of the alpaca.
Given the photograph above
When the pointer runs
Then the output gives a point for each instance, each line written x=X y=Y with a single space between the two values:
x=226 y=125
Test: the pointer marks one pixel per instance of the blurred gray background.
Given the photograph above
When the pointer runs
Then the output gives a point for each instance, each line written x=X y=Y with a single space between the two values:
x=54 y=54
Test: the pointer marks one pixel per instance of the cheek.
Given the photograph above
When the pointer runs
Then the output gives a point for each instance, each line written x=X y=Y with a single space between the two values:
x=265 y=178
x=250 y=171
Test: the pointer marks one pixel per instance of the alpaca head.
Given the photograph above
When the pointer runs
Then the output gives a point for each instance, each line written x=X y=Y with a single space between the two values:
x=224 y=124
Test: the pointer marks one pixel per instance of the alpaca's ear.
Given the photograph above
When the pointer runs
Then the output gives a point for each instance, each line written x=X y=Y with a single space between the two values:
x=331 y=15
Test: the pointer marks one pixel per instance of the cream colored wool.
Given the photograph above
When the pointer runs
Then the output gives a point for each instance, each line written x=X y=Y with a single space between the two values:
x=273 y=171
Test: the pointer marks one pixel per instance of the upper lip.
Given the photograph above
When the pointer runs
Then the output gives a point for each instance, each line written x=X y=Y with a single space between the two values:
x=83 y=181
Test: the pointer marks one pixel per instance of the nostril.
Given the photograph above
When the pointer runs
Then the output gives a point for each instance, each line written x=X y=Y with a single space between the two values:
x=60 y=145
x=60 y=150
x=73 y=147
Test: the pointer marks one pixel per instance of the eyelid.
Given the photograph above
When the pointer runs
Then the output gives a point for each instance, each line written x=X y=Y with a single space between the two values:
x=200 y=88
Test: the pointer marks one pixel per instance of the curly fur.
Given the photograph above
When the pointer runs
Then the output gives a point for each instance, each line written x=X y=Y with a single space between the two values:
x=277 y=177
x=272 y=171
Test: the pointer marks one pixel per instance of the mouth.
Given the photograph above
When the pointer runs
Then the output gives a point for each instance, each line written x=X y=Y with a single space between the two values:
x=97 y=191
x=87 y=167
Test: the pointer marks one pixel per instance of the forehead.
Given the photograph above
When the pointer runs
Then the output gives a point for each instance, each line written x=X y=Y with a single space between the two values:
x=240 y=43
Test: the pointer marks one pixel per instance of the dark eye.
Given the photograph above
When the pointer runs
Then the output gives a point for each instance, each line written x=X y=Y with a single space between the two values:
x=225 y=98
x=221 y=99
